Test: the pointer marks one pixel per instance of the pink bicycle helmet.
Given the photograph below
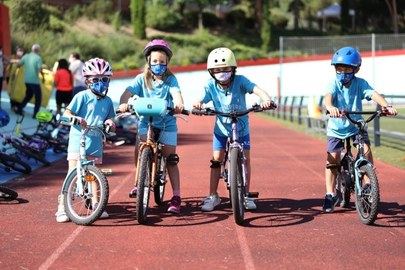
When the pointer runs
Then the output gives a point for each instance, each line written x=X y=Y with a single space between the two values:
x=97 y=66
x=158 y=44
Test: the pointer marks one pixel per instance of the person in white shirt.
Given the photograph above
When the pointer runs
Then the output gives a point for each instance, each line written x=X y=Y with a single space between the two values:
x=76 y=67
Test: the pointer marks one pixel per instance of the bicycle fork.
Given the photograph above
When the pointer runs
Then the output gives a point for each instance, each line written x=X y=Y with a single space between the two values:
x=359 y=174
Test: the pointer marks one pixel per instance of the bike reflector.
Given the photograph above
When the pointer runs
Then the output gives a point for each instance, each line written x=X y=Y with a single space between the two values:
x=150 y=106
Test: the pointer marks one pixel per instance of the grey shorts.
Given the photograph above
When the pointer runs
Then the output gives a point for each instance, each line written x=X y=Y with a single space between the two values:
x=336 y=144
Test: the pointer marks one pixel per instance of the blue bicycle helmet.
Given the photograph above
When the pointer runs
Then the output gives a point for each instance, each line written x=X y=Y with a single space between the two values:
x=4 y=118
x=347 y=56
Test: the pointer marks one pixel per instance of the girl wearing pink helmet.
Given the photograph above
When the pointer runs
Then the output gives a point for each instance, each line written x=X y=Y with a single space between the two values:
x=157 y=81
x=92 y=107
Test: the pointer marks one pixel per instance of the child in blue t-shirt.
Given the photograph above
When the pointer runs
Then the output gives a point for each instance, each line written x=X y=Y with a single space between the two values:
x=157 y=81
x=345 y=93
x=227 y=91
x=91 y=107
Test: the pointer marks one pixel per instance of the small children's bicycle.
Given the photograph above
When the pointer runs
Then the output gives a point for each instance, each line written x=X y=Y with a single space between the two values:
x=235 y=173
x=357 y=174
x=151 y=164
x=85 y=189
x=7 y=194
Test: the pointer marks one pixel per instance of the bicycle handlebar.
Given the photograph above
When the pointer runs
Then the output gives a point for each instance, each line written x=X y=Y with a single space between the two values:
x=170 y=110
x=70 y=121
x=210 y=111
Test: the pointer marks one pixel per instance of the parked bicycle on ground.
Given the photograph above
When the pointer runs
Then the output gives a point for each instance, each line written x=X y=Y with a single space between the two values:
x=7 y=194
x=235 y=172
x=85 y=189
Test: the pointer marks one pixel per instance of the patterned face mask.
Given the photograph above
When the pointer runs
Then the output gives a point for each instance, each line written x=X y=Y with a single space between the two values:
x=158 y=69
x=344 y=78
x=223 y=76
x=100 y=88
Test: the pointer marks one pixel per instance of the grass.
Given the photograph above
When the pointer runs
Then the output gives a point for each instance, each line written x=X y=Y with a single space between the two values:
x=391 y=152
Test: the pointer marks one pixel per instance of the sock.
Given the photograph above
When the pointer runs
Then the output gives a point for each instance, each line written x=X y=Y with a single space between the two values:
x=330 y=193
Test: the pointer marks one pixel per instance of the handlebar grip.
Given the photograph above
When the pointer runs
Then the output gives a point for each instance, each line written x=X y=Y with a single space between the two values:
x=185 y=112
x=198 y=111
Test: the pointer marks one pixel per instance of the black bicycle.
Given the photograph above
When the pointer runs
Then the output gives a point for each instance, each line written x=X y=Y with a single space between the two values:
x=235 y=173
x=7 y=194
x=357 y=174
x=13 y=162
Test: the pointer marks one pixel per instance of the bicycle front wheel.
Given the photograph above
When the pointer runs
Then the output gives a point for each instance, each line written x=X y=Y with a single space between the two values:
x=367 y=202
x=7 y=194
x=237 y=187
x=143 y=185
x=160 y=181
x=86 y=199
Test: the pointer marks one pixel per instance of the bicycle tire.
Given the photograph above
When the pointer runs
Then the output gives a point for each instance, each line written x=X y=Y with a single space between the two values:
x=344 y=184
x=31 y=153
x=368 y=202
x=7 y=194
x=15 y=163
x=236 y=182
x=80 y=208
x=143 y=185
x=160 y=181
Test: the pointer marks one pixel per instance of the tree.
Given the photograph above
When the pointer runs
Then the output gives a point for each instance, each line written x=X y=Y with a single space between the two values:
x=138 y=18
x=265 y=29
x=29 y=15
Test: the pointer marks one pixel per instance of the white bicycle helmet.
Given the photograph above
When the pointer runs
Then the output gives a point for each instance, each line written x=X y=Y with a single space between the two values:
x=97 y=66
x=221 y=57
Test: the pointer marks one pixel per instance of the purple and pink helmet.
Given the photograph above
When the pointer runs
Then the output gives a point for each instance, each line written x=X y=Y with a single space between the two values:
x=158 y=44
x=97 y=66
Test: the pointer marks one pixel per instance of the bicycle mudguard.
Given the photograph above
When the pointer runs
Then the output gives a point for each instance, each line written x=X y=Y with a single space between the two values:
x=360 y=162
x=150 y=106
x=64 y=184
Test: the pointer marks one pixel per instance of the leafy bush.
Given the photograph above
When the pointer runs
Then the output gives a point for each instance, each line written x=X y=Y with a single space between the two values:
x=29 y=15
x=160 y=16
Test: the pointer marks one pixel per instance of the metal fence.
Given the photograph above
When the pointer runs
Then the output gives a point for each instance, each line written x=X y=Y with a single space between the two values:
x=296 y=109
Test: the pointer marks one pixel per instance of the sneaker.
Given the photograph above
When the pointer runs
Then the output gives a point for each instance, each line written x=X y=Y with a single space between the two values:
x=132 y=193
x=250 y=204
x=330 y=203
x=61 y=216
x=174 y=205
x=210 y=203
x=105 y=215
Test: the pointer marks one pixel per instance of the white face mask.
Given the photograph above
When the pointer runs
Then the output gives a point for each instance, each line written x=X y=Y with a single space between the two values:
x=223 y=76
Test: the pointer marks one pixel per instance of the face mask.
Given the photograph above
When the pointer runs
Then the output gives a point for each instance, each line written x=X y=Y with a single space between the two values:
x=158 y=70
x=344 y=78
x=223 y=76
x=100 y=88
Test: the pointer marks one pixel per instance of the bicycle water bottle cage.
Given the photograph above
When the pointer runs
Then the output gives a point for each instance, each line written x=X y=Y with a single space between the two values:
x=149 y=107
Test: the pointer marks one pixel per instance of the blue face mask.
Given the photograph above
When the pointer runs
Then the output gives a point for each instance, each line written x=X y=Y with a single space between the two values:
x=100 y=88
x=158 y=69
x=344 y=78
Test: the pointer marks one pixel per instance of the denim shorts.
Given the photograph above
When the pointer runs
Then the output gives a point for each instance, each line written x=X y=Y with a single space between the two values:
x=337 y=145
x=219 y=142
x=165 y=138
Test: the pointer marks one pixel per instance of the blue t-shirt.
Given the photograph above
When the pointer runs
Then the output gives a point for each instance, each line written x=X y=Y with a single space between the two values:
x=348 y=99
x=32 y=63
x=160 y=89
x=95 y=111
x=226 y=100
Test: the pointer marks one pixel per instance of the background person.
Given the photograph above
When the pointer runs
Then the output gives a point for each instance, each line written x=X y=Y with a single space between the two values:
x=63 y=80
x=76 y=67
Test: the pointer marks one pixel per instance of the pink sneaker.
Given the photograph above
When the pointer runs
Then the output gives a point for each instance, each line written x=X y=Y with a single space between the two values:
x=174 y=205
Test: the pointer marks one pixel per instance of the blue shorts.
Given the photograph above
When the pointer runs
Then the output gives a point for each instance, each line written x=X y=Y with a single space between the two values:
x=337 y=145
x=219 y=142
x=165 y=138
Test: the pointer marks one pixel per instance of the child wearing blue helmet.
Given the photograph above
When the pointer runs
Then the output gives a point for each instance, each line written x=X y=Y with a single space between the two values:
x=345 y=93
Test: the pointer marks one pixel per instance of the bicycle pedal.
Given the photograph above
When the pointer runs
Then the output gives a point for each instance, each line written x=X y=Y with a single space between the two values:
x=253 y=194
x=106 y=171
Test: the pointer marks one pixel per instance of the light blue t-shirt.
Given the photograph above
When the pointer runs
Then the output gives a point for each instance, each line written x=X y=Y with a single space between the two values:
x=163 y=90
x=32 y=63
x=226 y=100
x=95 y=111
x=348 y=99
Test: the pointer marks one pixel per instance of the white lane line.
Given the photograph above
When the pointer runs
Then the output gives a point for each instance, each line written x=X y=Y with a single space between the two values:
x=244 y=248
x=56 y=254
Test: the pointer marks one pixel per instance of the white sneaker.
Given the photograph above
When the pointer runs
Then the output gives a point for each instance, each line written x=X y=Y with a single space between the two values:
x=61 y=216
x=105 y=215
x=210 y=202
x=250 y=203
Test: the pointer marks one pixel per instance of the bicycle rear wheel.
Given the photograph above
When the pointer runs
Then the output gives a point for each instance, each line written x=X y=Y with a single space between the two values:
x=7 y=194
x=85 y=200
x=160 y=181
x=15 y=163
x=237 y=188
x=368 y=201
x=143 y=185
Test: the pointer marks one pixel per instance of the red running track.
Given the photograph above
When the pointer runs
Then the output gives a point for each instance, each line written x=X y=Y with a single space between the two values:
x=288 y=231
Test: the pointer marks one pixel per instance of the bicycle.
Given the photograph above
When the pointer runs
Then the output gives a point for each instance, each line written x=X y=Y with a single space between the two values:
x=354 y=169
x=235 y=173
x=7 y=194
x=85 y=188
x=151 y=164
x=13 y=162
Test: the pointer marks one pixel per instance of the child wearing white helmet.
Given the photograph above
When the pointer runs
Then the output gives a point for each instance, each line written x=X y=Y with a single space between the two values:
x=92 y=107
x=157 y=81
x=227 y=91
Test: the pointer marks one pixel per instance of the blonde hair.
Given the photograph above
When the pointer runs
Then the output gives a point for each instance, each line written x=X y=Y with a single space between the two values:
x=148 y=75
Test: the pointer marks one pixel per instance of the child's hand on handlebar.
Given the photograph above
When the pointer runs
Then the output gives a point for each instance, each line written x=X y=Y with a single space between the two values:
x=198 y=105
x=123 y=107
x=389 y=110
x=110 y=123
x=81 y=121
x=178 y=108
x=268 y=105
x=333 y=111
